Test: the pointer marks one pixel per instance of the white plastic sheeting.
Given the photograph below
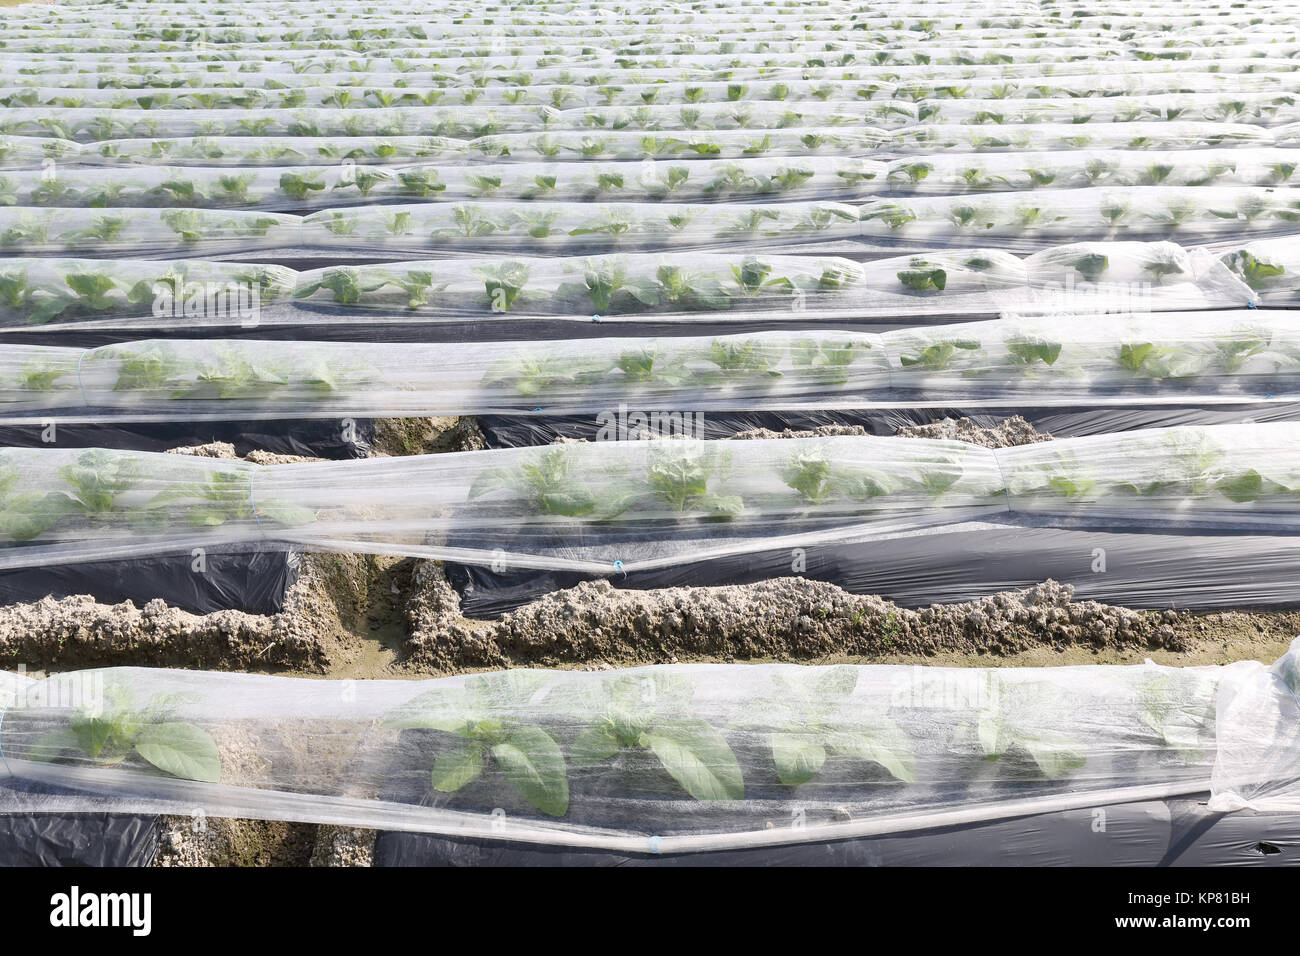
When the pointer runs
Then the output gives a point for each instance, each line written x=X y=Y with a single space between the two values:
x=617 y=506
x=1259 y=721
x=1244 y=356
x=714 y=286
x=658 y=759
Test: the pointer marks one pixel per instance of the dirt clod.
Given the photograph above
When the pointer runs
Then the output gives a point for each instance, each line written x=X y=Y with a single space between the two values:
x=786 y=618
x=215 y=841
x=1005 y=434
x=425 y=436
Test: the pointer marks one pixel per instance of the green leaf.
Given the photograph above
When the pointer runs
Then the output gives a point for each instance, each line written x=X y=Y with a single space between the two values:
x=798 y=757
x=181 y=750
x=698 y=758
x=534 y=764
x=489 y=480
x=458 y=766
x=594 y=744
x=1055 y=755
x=1242 y=488
x=448 y=711
x=92 y=733
x=570 y=503
x=1091 y=266
x=886 y=745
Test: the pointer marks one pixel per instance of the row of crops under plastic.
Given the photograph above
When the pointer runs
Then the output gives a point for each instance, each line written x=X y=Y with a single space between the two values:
x=1011 y=220
x=909 y=121
x=714 y=287
x=1209 y=357
x=619 y=506
x=1008 y=44
x=845 y=178
x=665 y=759
x=403 y=145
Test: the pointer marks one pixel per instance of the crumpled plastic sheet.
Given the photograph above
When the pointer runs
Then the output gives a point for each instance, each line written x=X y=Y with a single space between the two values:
x=616 y=506
x=676 y=758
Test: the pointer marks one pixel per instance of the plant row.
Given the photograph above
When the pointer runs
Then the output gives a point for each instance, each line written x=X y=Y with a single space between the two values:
x=1065 y=140
x=1245 y=355
x=667 y=750
x=347 y=183
x=1014 y=220
x=306 y=70
x=286 y=90
x=628 y=504
x=172 y=119
x=1076 y=277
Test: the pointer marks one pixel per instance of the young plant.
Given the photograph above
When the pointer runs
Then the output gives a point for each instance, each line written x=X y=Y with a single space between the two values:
x=1028 y=350
x=486 y=720
x=827 y=361
x=752 y=278
x=677 y=288
x=819 y=480
x=122 y=733
x=743 y=359
x=1178 y=708
x=652 y=713
x=150 y=369
x=1256 y=271
x=678 y=473
x=603 y=279
x=222 y=497
x=937 y=355
x=347 y=284
x=808 y=720
x=531 y=377
x=503 y=282
x=922 y=276
x=547 y=484
x=1008 y=727
x=1090 y=267
x=423 y=182
x=301 y=185
x=235 y=375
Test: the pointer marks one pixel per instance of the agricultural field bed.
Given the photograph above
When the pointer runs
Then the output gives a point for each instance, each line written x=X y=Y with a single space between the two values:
x=749 y=300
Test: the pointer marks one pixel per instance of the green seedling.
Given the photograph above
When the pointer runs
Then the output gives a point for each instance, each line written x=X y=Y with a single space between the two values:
x=819 y=481
x=486 y=720
x=503 y=282
x=546 y=483
x=827 y=361
x=938 y=354
x=804 y=727
x=124 y=734
x=347 y=284
x=645 y=713
x=1006 y=728
x=1256 y=271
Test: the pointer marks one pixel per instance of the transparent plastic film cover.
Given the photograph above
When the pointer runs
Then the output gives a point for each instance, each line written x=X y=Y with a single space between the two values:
x=56 y=293
x=613 y=506
x=1244 y=356
x=673 y=758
